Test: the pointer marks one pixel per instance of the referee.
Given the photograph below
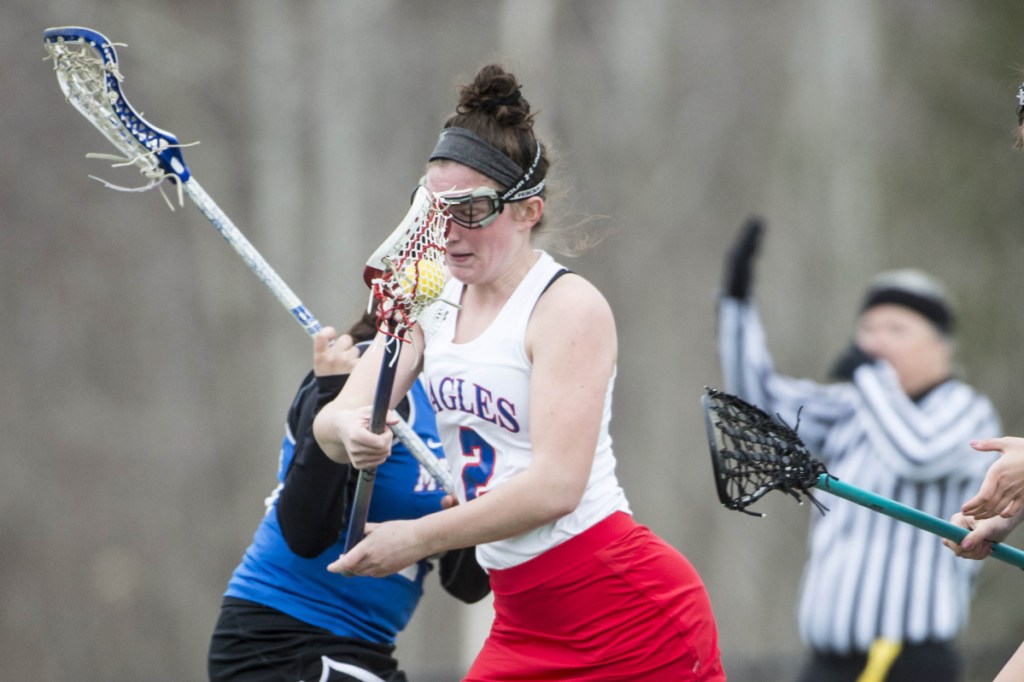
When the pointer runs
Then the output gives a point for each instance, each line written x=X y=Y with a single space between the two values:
x=880 y=600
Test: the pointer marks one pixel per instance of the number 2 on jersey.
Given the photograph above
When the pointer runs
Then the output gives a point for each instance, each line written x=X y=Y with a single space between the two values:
x=478 y=462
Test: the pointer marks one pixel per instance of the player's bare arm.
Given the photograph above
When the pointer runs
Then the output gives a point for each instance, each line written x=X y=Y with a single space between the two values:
x=342 y=426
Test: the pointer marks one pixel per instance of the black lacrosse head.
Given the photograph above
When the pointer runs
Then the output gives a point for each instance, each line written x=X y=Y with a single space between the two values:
x=753 y=453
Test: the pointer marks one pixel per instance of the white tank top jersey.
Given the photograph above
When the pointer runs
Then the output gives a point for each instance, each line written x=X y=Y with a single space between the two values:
x=480 y=391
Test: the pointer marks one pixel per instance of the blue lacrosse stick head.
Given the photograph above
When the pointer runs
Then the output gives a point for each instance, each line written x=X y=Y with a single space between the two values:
x=163 y=145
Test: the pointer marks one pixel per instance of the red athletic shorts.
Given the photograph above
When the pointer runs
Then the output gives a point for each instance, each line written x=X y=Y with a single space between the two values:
x=613 y=603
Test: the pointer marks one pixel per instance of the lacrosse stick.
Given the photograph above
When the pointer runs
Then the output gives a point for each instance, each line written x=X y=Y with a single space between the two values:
x=424 y=455
x=88 y=73
x=753 y=454
x=406 y=275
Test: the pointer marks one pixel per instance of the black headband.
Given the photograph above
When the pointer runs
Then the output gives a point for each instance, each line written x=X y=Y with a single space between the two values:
x=466 y=147
x=934 y=310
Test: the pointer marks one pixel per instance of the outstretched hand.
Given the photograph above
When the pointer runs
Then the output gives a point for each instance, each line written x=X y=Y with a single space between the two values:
x=1002 y=491
x=739 y=263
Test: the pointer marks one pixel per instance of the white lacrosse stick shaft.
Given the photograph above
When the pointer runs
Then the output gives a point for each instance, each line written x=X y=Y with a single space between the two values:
x=251 y=256
x=91 y=83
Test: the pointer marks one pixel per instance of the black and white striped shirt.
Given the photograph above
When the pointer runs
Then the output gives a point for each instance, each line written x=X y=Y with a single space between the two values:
x=869 y=576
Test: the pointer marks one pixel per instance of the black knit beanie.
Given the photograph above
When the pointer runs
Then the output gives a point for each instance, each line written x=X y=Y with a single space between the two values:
x=915 y=290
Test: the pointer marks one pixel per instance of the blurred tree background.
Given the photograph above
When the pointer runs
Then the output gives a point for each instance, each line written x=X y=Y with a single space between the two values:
x=146 y=372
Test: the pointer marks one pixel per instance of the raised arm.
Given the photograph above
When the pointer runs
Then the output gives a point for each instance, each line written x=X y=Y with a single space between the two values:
x=747 y=366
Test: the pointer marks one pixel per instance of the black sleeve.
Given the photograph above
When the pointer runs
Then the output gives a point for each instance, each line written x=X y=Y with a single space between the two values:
x=462 y=577
x=317 y=491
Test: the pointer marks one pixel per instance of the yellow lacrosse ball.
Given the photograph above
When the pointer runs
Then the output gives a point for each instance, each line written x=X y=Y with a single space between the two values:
x=425 y=279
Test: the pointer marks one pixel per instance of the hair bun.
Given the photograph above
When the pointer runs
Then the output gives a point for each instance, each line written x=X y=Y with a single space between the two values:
x=495 y=93
x=491 y=105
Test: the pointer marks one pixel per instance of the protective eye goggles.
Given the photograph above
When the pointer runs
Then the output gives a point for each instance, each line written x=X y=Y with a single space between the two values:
x=482 y=206
x=474 y=210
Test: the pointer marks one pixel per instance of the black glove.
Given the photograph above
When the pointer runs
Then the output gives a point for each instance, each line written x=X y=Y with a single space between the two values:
x=739 y=268
x=852 y=358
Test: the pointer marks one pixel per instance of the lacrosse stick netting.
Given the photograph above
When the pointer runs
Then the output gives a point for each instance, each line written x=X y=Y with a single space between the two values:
x=753 y=454
x=89 y=75
x=407 y=274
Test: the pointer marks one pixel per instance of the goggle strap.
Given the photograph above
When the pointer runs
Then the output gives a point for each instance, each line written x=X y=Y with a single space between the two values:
x=513 y=193
x=525 y=194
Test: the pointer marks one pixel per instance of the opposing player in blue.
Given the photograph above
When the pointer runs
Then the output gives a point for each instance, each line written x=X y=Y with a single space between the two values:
x=284 y=616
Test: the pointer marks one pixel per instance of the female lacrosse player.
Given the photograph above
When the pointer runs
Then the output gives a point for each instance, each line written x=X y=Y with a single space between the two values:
x=998 y=507
x=880 y=599
x=520 y=378
x=284 y=617
x=1002 y=492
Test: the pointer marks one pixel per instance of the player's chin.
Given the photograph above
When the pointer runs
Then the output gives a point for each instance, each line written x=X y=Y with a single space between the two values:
x=459 y=262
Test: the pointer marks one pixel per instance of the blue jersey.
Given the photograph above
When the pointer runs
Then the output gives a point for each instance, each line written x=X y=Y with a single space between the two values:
x=369 y=609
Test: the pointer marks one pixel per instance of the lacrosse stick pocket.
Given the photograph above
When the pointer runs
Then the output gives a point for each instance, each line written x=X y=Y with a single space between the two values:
x=406 y=275
x=89 y=76
x=753 y=454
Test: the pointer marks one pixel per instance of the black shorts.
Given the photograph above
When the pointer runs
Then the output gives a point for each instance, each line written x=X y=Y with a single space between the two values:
x=926 y=662
x=255 y=643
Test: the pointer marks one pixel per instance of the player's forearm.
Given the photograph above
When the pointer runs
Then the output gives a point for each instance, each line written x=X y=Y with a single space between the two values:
x=518 y=506
x=334 y=420
x=326 y=431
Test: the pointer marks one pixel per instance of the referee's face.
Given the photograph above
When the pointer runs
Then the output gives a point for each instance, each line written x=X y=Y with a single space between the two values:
x=910 y=343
